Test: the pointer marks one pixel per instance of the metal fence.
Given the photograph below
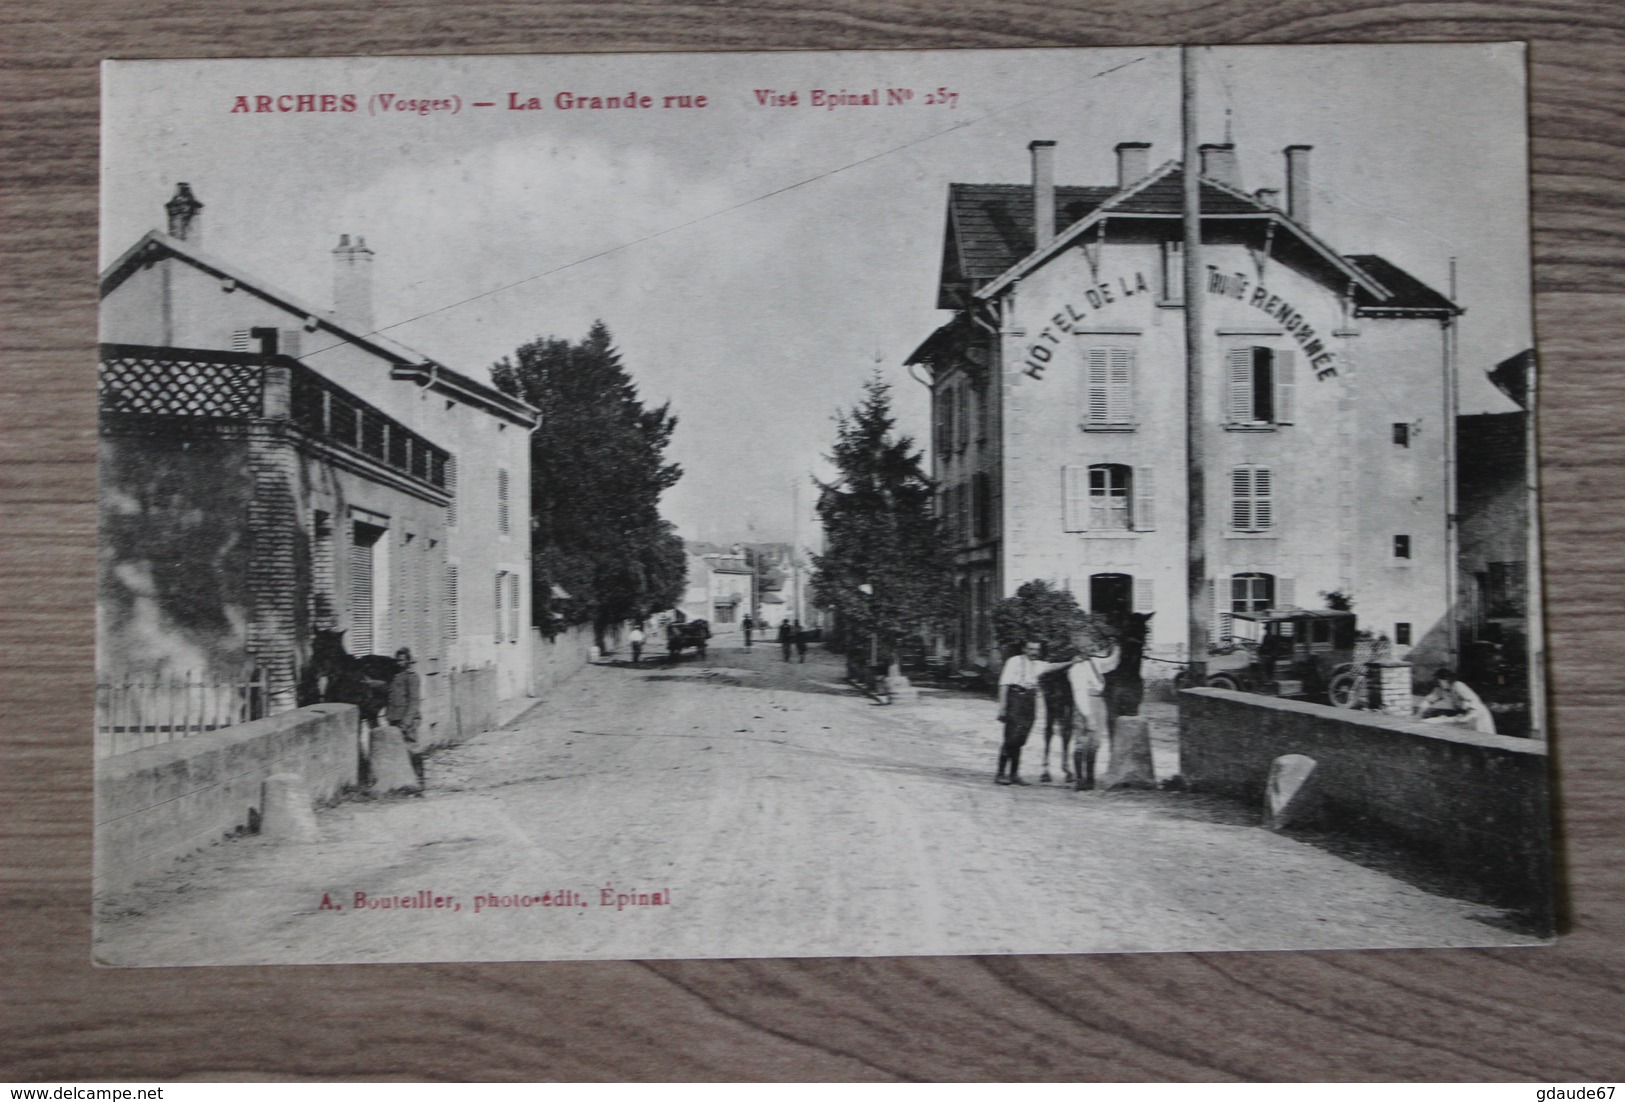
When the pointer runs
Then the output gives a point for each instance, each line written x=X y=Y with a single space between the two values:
x=140 y=710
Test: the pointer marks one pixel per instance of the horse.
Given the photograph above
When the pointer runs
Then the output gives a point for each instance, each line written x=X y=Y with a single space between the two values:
x=340 y=677
x=1124 y=688
x=1060 y=719
x=1081 y=729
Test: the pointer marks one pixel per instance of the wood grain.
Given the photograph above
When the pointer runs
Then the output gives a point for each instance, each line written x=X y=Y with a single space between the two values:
x=1456 y=1015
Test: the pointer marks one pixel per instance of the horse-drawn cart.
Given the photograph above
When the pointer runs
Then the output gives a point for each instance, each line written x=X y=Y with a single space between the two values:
x=688 y=635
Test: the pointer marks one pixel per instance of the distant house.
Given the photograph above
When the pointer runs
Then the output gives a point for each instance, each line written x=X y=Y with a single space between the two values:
x=269 y=468
x=721 y=588
x=1495 y=490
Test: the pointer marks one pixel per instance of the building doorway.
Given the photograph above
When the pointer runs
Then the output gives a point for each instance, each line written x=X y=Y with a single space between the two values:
x=1111 y=595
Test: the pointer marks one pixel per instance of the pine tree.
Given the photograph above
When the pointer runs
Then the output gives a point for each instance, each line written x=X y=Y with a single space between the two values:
x=597 y=470
x=885 y=569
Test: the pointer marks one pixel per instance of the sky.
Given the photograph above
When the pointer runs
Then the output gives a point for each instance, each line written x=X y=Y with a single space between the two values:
x=757 y=263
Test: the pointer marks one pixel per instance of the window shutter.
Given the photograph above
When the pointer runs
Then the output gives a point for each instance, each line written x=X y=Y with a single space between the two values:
x=1285 y=386
x=502 y=500
x=496 y=618
x=1097 y=386
x=451 y=489
x=450 y=626
x=1241 y=499
x=288 y=342
x=1075 y=499
x=1286 y=593
x=1145 y=499
x=1120 y=386
x=242 y=340
x=1263 y=514
x=1241 y=386
x=513 y=608
x=361 y=598
x=1142 y=595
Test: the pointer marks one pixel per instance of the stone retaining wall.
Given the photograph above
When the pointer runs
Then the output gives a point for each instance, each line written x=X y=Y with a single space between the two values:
x=164 y=802
x=1475 y=804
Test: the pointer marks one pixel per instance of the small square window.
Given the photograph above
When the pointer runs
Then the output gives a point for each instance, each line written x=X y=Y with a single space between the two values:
x=1402 y=634
x=1402 y=547
x=1402 y=433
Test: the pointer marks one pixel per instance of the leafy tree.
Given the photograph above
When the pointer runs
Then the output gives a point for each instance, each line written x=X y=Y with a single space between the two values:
x=1051 y=616
x=885 y=569
x=597 y=470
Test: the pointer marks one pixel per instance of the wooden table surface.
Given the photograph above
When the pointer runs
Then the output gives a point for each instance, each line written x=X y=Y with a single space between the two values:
x=1553 y=1015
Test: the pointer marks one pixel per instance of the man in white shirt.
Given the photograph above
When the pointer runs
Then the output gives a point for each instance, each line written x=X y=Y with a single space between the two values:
x=1018 y=705
x=636 y=639
x=1452 y=702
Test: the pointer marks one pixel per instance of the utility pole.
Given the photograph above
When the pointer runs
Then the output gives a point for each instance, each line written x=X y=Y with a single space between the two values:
x=1195 y=478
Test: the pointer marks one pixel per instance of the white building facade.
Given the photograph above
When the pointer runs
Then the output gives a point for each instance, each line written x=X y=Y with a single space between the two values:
x=455 y=587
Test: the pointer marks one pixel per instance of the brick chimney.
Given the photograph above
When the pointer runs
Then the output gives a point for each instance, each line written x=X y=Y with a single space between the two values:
x=1043 y=192
x=1133 y=163
x=352 y=283
x=185 y=221
x=1297 y=183
x=1219 y=163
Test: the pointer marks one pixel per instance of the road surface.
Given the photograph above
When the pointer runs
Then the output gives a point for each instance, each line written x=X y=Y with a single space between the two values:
x=751 y=808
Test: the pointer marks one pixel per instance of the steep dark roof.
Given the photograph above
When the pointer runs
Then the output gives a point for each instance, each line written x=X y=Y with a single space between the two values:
x=1166 y=195
x=1410 y=295
x=990 y=230
x=1513 y=376
x=994 y=222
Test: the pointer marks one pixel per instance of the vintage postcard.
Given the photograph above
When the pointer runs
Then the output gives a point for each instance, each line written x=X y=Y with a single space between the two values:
x=798 y=504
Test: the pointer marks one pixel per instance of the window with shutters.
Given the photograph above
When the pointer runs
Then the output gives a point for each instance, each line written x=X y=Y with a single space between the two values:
x=1108 y=388
x=367 y=575
x=947 y=403
x=503 y=512
x=1260 y=387
x=982 y=496
x=1108 y=499
x=1252 y=592
x=1252 y=503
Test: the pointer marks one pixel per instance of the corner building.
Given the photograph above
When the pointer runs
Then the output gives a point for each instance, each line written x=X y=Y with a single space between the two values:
x=1059 y=408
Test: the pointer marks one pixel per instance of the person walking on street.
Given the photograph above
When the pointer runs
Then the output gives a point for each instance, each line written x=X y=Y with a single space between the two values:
x=636 y=639
x=748 y=625
x=801 y=640
x=785 y=638
x=1018 y=705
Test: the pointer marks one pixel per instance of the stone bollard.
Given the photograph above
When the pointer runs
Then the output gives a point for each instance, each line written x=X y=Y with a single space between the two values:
x=899 y=688
x=286 y=812
x=1287 y=797
x=1390 y=687
x=392 y=763
x=1130 y=765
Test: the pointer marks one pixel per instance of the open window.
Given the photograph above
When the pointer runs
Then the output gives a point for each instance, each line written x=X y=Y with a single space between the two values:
x=1261 y=387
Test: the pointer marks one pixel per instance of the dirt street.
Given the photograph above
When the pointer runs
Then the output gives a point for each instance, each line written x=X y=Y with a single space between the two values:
x=748 y=807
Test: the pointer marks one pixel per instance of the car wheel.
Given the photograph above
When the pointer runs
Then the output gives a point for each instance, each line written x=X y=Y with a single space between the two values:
x=1344 y=690
x=1224 y=681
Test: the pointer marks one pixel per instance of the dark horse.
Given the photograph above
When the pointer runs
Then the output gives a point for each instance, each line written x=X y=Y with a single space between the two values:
x=336 y=676
x=1124 y=691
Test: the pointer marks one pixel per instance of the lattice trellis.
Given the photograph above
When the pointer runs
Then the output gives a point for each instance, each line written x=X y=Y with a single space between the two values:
x=179 y=388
